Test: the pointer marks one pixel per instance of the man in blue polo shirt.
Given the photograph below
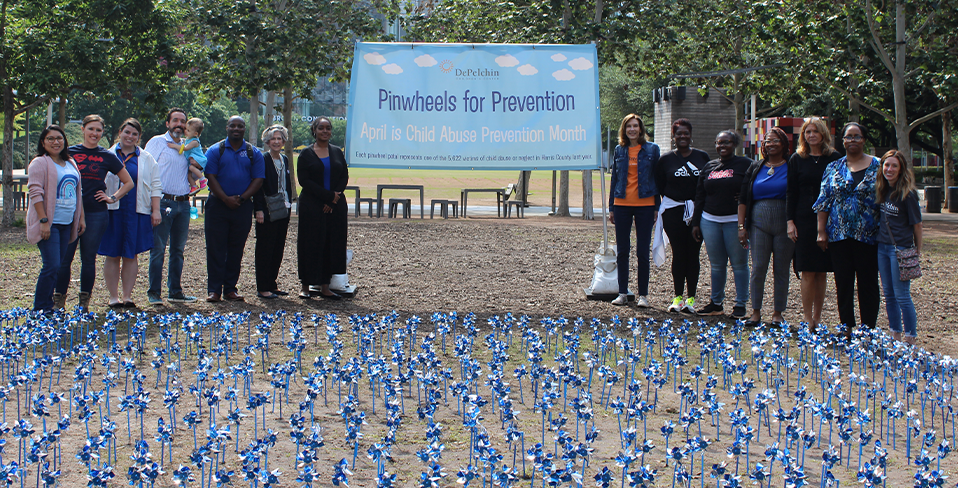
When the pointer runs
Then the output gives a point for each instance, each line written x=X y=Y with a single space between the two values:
x=235 y=170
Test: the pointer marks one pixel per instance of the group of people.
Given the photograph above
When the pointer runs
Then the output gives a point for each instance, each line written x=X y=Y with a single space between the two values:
x=815 y=210
x=123 y=201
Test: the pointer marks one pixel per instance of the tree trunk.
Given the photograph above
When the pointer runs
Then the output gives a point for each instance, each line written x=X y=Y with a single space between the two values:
x=563 y=210
x=63 y=113
x=739 y=104
x=288 y=123
x=948 y=155
x=902 y=130
x=854 y=109
x=587 y=195
x=270 y=109
x=8 y=216
x=253 y=135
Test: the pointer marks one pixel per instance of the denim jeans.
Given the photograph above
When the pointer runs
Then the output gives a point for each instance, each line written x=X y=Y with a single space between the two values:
x=173 y=230
x=52 y=253
x=898 y=302
x=89 y=242
x=722 y=247
x=643 y=218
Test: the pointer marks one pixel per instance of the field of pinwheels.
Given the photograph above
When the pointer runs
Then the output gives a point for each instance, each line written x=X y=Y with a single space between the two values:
x=281 y=399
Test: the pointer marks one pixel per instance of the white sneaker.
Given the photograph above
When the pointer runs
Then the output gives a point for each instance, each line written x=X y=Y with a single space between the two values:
x=620 y=300
x=689 y=306
x=676 y=305
x=642 y=302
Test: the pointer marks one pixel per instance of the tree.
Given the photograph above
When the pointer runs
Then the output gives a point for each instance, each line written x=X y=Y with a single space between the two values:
x=279 y=45
x=865 y=50
x=83 y=49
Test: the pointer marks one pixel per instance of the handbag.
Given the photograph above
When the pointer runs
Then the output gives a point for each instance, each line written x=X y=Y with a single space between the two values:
x=276 y=207
x=909 y=266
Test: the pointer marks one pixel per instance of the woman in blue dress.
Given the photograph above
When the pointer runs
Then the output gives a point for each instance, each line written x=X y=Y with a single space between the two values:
x=130 y=228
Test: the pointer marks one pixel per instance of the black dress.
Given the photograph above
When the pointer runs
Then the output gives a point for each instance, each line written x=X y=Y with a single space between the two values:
x=804 y=184
x=322 y=236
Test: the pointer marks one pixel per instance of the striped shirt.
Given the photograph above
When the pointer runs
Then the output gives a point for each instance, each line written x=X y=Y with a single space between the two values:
x=173 y=166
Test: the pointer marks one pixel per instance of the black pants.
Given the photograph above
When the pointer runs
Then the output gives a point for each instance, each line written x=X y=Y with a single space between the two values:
x=643 y=217
x=270 y=245
x=226 y=233
x=853 y=260
x=685 y=251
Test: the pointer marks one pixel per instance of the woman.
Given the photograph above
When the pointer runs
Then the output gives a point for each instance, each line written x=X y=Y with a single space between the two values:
x=805 y=171
x=323 y=174
x=131 y=221
x=94 y=163
x=716 y=218
x=848 y=226
x=900 y=229
x=270 y=234
x=634 y=198
x=55 y=218
x=677 y=175
x=762 y=224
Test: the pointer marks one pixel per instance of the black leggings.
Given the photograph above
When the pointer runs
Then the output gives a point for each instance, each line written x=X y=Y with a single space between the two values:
x=856 y=261
x=685 y=251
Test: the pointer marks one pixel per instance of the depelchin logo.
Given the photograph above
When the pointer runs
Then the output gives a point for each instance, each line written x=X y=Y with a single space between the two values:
x=446 y=66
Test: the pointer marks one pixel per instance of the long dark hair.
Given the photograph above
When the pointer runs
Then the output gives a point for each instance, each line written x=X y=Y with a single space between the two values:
x=42 y=151
x=132 y=122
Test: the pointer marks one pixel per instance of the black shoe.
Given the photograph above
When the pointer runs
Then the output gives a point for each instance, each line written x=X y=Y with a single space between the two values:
x=281 y=293
x=180 y=297
x=332 y=296
x=305 y=295
x=711 y=309
x=738 y=312
x=752 y=323
x=270 y=296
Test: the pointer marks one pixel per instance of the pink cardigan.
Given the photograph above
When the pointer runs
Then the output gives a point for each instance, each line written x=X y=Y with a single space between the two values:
x=43 y=175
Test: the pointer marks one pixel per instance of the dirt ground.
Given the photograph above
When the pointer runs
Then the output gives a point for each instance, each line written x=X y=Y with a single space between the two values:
x=487 y=266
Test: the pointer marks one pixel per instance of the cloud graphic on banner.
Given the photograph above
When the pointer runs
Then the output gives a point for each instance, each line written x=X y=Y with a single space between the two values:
x=527 y=70
x=563 y=75
x=507 y=61
x=558 y=57
x=374 y=58
x=580 y=64
x=392 y=69
x=425 y=61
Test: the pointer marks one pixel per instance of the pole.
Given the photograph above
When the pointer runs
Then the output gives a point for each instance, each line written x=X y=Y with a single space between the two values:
x=553 y=211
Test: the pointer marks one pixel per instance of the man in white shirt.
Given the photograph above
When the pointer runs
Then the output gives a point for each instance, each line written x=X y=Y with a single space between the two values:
x=174 y=208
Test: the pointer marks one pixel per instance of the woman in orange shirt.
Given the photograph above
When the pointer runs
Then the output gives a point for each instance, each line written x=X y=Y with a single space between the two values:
x=634 y=198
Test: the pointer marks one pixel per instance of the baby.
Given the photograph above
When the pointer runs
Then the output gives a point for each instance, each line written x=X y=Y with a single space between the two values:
x=193 y=150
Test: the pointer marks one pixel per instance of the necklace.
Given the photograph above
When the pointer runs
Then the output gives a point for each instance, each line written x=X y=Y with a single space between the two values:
x=771 y=169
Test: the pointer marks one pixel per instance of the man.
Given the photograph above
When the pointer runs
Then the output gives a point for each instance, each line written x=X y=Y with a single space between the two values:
x=235 y=170
x=174 y=208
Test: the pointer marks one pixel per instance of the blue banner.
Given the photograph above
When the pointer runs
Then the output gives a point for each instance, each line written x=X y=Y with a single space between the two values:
x=474 y=106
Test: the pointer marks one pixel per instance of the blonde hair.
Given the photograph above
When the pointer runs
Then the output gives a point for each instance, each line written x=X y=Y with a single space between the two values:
x=906 y=178
x=624 y=139
x=822 y=128
x=195 y=124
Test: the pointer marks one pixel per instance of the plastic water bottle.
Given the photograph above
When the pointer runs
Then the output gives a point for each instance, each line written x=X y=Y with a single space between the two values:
x=194 y=213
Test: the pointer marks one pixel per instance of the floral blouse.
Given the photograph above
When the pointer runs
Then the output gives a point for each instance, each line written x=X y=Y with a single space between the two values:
x=853 y=213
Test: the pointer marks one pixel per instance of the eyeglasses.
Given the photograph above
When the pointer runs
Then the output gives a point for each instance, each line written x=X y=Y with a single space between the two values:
x=775 y=141
x=724 y=143
x=53 y=139
x=853 y=138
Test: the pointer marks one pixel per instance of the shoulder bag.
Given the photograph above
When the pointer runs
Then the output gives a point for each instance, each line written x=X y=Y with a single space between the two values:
x=909 y=267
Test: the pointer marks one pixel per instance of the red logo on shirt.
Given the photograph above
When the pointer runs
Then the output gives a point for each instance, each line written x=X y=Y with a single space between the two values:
x=79 y=157
x=725 y=173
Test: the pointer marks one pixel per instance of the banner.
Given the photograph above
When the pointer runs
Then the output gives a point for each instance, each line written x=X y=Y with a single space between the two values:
x=474 y=106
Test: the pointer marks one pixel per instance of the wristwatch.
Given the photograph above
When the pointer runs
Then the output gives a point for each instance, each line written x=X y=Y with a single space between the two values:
x=44 y=220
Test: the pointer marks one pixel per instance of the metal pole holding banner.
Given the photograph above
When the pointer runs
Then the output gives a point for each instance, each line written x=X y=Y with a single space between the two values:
x=553 y=211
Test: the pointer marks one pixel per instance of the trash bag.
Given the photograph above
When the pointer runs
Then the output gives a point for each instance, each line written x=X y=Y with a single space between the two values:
x=605 y=280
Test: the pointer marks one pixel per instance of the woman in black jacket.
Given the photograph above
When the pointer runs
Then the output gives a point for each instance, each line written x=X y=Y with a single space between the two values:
x=762 y=224
x=323 y=174
x=271 y=234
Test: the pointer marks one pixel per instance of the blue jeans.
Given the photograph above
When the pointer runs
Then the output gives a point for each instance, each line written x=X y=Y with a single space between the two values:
x=898 y=302
x=643 y=218
x=173 y=230
x=722 y=247
x=52 y=252
x=89 y=242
